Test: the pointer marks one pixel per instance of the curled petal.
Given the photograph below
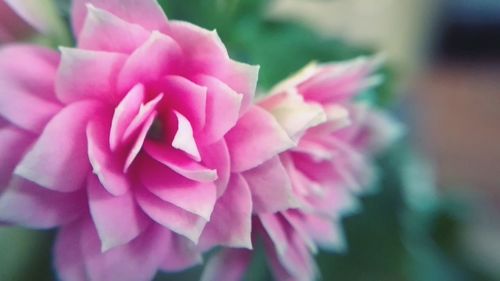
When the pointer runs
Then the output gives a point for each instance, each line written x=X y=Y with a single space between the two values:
x=27 y=204
x=85 y=74
x=58 y=160
x=231 y=224
x=146 y=13
x=256 y=138
x=227 y=265
x=118 y=219
x=106 y=32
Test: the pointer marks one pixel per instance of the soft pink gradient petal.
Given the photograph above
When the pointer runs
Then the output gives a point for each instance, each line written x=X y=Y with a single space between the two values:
x=242 y=78
x=135 y=261
x=186 y=97
x=146 y=13
x=219 y=97
x=184 y=139
x=216 y=156
x=270 y=187
x=192 y=196
x=118 y=219
x=227 y=265
x=180 y=163
x=109 y=169
x=125 y=112
x=181 y=254
x=28 y=89
x=158 y=56
x=12 y=26
x=172 y=217
x=68 y=255
x=63 y=137
x=231 y=224
x=104 y=31
x=85 y=74
x=139 y=142
x=27 y=204
x=13 y=145
x=250 y=145
x=203 y=50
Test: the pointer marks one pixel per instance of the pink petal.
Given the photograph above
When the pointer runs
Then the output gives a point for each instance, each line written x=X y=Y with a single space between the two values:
x=256 y=138
x=227 y=265
x=294 y=114
x=180 y=163
x=231 y=223
x=107 y=166
x=12 y=26
x=242 y=78
x=13 y=145
x=146 y=13
x=106 y=32
x=203 y=49
x=58 y=160
x=182 y=253
x=172 y=217
x=27 y=84
x=135 y=261
x=85 y=74
x=139 y=141
x=144 y=114
x=27 y=204
x=195 y=197
x=68 y=254
x=157 y=57
x=184 y=139
x=219 y=96
x=270 y=187
x=118 y=219
x=125 y=112
x=216 y=156
x=186 y=97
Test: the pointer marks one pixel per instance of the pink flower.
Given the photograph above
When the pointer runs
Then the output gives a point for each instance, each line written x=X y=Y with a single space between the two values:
x=129 y=140
x=330 y=165
x=20 y=19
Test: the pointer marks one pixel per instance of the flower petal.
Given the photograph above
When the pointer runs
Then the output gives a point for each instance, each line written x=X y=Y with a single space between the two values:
x=180 y=163
x=106 y=32
x=182 y=253
x=135 y=261
x=108 y=167
x=227 y=265
x=256 y=138
x=270 y=187
x=184 y=139
x=27 y=85
x=27 y=204
x=125 y=112
x=231 y=223
x=146 y=13
x=58 y=160
x=172 y=217
x=68 y=255
x=216 y=156
x=13 y=145
x=118 y=219
x=85 y=74
x=219 y=95
x=158 y=56
x=186 y=97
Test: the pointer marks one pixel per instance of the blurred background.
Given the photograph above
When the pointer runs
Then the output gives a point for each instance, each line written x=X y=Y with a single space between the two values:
x=436 y=214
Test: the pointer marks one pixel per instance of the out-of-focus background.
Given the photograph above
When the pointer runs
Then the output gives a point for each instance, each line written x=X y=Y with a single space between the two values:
x=436 y=215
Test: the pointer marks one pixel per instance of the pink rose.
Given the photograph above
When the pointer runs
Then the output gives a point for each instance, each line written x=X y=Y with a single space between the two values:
x=331 y=164
x=129 y=140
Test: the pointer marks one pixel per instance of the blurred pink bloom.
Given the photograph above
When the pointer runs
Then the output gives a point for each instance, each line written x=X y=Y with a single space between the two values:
x=127 y=142
x=331 y=164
